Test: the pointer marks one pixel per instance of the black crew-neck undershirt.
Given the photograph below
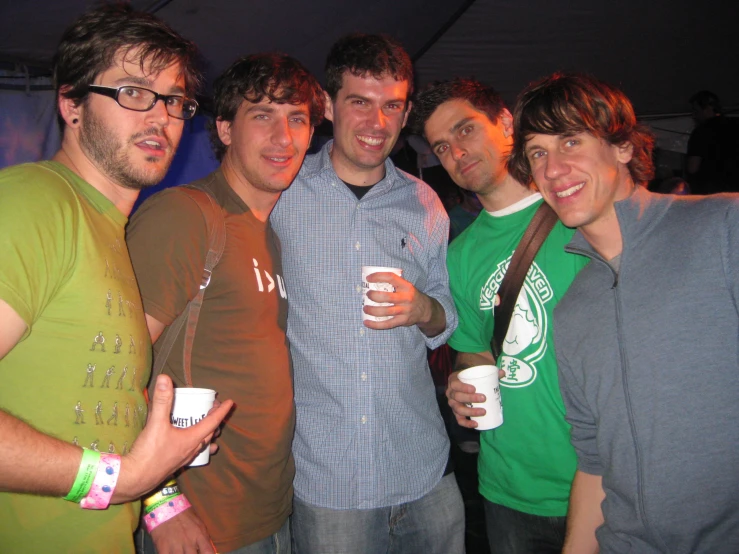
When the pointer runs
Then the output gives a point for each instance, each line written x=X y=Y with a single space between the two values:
x=358 y=191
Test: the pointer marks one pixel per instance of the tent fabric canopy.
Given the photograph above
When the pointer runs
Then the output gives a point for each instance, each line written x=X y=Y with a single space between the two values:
x=658 y=51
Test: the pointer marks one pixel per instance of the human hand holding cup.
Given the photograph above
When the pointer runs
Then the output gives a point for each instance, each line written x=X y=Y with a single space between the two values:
x=485 y=380
x=368 y=270
x=190 y=406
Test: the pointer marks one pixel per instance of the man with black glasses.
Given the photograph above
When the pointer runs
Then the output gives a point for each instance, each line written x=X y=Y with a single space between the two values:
x=64 y=258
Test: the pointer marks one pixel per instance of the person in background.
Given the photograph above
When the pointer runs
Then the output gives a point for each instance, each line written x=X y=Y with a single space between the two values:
x=712 y=162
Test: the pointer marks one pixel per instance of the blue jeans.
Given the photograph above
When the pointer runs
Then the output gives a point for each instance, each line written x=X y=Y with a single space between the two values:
x=279 y=543
x=513 y=532
x=433 y=524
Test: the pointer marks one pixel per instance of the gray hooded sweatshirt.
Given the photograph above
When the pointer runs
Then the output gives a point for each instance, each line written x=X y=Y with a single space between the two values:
x=649 y=372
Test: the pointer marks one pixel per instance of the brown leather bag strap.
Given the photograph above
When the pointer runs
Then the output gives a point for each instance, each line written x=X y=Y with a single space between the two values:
x=216 y=226
x=536 y=233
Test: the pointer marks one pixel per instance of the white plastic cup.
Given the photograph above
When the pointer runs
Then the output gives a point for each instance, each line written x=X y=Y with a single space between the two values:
x=485 y=380
x=190 y=406
x=385 y=287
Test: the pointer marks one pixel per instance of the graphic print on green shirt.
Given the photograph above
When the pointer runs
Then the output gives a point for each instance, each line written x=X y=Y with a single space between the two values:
x=527 y=464
x=79 y=372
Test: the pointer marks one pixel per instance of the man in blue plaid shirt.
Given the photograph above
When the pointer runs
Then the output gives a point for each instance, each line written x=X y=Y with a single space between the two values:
x=370 y=446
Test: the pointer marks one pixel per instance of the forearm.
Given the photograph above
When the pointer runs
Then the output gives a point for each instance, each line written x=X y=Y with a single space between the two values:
x=584 y=515
x=33 y=462
x=436 y=321
x=472 y=359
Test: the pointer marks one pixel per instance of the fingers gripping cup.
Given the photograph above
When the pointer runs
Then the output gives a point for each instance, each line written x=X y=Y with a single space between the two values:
x=485 y=380
x=385 y=287
x=190 y=406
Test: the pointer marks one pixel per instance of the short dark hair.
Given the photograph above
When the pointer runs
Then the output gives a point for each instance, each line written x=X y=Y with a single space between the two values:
x=277 y=77
x=90 y=45
x=483 y=98
x=361 y=54
x=706 y=98
x=571 y=103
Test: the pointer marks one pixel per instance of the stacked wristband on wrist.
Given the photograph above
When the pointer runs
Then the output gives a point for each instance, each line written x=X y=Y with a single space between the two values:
x=164 y=505
x=101 y=491
x=85 y=475
x=96 y=480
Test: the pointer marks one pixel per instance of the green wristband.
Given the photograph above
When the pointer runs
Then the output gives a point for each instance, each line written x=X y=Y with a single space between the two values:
x=85 y=475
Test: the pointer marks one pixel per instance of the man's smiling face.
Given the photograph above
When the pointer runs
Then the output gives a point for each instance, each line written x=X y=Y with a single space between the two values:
x=368 y=115
x=580 y=176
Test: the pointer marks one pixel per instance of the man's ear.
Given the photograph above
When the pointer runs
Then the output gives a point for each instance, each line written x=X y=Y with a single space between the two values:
x=224 y=130
x=407 y=113
x=70 y=109
x=506 y=119
x=624 y=152
x=328 y=112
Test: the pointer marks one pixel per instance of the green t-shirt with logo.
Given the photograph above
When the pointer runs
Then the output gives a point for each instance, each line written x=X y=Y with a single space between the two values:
x=527 y=464
x=79 y=371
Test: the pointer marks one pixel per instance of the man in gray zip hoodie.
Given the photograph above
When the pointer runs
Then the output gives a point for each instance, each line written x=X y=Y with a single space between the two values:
x=647 y=336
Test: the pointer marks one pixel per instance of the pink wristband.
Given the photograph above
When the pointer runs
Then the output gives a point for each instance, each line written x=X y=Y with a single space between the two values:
x=166 y=512
x=104 y=484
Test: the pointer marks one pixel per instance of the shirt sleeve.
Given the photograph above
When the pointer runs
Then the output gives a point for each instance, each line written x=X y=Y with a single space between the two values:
x=578 y=414
x=471 y=335
x=167 y=240
x=37 y=240
x=438 y=278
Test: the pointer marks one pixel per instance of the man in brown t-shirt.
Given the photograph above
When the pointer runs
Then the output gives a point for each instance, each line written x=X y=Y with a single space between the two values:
x=266 y=107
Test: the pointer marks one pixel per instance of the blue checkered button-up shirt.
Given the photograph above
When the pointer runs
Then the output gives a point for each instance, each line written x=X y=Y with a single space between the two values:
x=368 y=433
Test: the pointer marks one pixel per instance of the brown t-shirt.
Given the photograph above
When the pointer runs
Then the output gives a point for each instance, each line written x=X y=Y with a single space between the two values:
x=240 y=350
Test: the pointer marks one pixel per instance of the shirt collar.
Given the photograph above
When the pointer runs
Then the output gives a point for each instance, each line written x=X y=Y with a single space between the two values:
x=321 y=164
x=637 y=215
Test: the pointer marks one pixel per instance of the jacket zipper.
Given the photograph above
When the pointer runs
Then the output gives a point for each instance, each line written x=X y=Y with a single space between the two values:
x=632 y=424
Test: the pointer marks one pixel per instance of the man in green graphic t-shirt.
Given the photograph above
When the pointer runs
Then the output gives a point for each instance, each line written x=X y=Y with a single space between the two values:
x=527 y=464
x=74 y=346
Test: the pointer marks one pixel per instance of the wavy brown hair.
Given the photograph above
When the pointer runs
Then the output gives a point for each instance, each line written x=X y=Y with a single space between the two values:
x=276 y=77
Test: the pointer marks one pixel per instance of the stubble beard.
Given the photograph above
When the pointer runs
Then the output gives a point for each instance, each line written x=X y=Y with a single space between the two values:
x=104 y=149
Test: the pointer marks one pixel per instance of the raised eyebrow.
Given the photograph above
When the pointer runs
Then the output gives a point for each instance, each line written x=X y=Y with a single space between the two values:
x=461 y=123
x=134 y=80
x=146 y=83
x=357 y=97
x=452 y=130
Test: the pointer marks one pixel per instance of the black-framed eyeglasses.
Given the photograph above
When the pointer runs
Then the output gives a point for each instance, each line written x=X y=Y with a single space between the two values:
x=142 y=100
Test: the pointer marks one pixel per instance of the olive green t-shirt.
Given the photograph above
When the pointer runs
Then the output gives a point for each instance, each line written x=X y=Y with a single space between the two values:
x=79 y=372
x=527 y=464
x=240 y=350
